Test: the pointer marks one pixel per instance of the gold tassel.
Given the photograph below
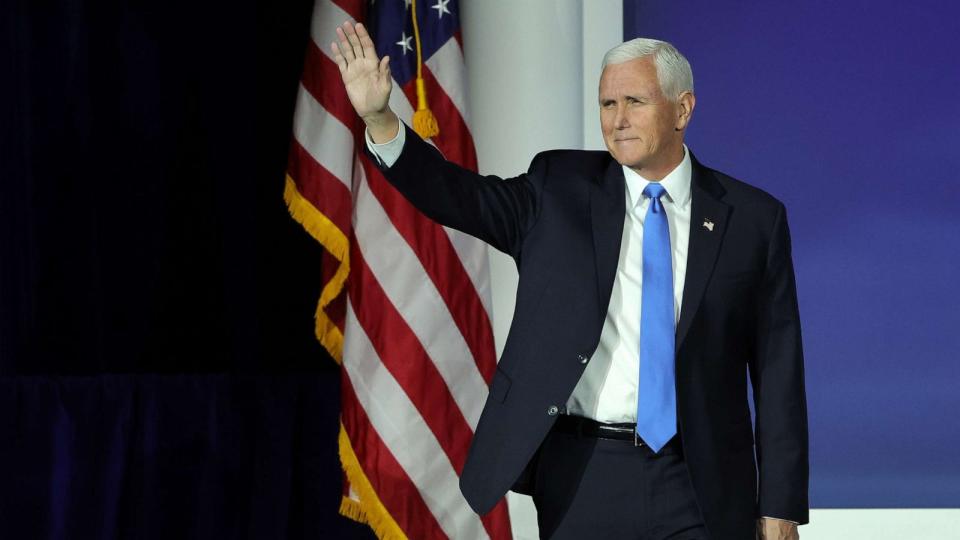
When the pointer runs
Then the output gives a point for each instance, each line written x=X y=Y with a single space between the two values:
x=424 y=122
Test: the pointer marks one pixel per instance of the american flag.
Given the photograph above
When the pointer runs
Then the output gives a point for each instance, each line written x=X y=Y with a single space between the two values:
x=405 y=303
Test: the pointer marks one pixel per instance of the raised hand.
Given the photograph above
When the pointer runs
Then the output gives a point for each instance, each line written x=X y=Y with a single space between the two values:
x=366 y=79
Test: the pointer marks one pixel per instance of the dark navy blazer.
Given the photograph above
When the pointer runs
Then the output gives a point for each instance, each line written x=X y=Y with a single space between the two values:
x=562 y=222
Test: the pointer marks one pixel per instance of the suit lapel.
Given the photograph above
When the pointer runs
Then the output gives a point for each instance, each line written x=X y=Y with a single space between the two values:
x=708 y=220
x=607 y=210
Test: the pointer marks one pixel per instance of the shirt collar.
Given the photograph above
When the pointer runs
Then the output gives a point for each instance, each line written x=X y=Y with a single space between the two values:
x=676 y=183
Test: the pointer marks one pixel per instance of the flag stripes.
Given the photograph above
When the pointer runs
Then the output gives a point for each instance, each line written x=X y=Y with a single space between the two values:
x=440 y=262
x=414 y=518
x=397 y=346
x=406 y=437
x=447 y=67
x=411 y=320
x=332 y=201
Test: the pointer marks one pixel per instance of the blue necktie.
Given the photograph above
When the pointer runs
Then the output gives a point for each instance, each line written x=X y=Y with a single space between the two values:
x=657 y=399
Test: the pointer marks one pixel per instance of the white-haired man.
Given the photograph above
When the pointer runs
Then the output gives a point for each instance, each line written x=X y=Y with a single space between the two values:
x=649 y=286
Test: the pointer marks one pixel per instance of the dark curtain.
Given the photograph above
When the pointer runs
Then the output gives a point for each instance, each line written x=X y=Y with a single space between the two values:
x=159 y=377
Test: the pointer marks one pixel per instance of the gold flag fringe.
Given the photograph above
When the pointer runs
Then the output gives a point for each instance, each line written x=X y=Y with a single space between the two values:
x=368 y=510
x=334 y=241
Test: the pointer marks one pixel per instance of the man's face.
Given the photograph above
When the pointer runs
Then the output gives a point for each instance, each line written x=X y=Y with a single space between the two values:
x=642 y=129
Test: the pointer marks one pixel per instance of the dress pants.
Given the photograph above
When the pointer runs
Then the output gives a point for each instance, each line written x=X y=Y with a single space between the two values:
x=589 y=488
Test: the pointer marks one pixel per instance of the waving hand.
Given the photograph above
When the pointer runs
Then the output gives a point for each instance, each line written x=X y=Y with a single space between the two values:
x=366 y=79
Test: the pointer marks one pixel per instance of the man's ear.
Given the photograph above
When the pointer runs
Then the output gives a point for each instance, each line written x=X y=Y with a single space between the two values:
x=685 y=104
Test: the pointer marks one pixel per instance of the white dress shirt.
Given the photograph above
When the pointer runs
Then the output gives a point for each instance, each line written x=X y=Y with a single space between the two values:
x=607 y=391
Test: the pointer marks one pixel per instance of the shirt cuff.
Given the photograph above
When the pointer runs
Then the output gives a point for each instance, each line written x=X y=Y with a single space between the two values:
x=389 y=152
x=780 y=519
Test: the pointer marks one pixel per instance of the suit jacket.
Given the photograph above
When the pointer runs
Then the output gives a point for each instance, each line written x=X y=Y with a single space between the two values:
x=562 y=223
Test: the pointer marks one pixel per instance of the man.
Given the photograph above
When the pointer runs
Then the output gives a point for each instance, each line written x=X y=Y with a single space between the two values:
x=649 y=285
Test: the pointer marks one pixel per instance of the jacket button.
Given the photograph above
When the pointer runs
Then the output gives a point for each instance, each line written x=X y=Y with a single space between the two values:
x=583 y=358
x=553 y=410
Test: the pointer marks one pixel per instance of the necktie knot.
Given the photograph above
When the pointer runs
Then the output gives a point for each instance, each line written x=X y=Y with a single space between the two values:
x=654 y=190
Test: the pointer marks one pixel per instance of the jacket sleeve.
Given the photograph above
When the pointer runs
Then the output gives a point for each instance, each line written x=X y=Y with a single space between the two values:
x=497 y=211
x=777 y=375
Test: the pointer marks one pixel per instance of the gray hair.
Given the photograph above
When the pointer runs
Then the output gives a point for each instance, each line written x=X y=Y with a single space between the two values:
x=673 y=70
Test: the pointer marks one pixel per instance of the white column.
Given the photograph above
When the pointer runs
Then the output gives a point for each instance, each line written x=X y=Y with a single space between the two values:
x=602 y=31
x=527 y=70
x=525 y=94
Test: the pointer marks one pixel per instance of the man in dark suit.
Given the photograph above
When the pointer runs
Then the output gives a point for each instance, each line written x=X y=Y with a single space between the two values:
x=649 y=286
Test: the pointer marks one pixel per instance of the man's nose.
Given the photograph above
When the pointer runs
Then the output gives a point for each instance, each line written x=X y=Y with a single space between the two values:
x=620 y=119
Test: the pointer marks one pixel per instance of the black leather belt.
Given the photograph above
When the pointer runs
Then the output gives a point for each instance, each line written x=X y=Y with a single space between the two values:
x=585 y=427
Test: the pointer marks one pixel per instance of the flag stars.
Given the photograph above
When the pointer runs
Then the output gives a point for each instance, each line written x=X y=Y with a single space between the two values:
x=441 y=7
x=404 y=43
x=406 y=4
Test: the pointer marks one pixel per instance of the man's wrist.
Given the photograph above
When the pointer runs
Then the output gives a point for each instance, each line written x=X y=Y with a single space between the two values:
x=386 y=153
x=769 y=528
x=382 y=126
x=779 y=519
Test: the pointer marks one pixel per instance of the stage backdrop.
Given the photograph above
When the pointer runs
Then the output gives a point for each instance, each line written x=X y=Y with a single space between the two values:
x=847 y=113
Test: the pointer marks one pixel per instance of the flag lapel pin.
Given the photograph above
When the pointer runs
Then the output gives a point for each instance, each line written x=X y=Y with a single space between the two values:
x=708 y=225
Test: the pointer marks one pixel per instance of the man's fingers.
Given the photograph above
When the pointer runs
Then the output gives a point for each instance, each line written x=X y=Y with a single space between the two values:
x=354 y=40
x=385 y=70
x=369 y=50
x=338 y=57
x=345 y=48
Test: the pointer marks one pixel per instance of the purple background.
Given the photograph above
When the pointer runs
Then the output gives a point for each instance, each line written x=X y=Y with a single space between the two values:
x=849 y=113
